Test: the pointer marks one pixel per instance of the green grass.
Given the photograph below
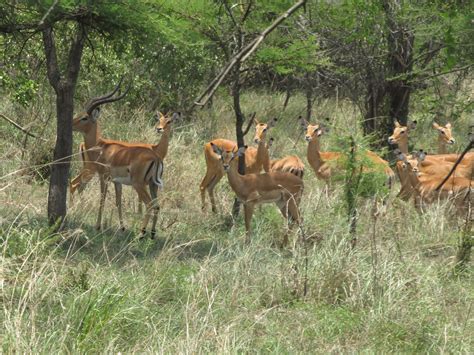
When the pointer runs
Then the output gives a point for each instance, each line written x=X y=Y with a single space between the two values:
x=199 y=288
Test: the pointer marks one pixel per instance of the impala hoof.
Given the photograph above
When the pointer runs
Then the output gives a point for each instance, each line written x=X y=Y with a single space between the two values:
x=153 y=234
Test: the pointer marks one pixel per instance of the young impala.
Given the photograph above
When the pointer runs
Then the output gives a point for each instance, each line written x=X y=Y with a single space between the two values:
x=284 y=189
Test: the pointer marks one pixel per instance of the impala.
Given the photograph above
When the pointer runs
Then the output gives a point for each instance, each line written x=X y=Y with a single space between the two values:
x=255 y=160
x=284 y=189
x=163 y=127
x=290 y=164
x=124 y=163
x=445 y=137
x=400 y=137
x=324 y=163
x=457 y=189
x=433 y=164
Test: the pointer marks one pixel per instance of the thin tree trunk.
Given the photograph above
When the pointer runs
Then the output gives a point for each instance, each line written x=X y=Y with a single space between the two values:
x=64 y=85
x=239 y=122
x=62 y=157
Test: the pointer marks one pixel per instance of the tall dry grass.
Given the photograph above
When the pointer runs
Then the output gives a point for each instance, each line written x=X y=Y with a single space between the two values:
x=199 y=288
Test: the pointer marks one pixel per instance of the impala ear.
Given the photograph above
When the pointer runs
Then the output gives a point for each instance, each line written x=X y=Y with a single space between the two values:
x=272 y=122
x=411 y=124
x=176 y=116
x=400 y=156
x=158 y=115
x=216 y=149
x=95 y=114
x=396 y=124
x=435 y=125
x=241 y=151
x=270 y=142
x=448 y=125
x=421 y=155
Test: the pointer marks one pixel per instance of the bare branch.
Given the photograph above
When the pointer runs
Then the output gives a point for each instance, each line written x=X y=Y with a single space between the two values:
x=251 y=120
x=243 y=55
x=468 y=148
x=16 y=125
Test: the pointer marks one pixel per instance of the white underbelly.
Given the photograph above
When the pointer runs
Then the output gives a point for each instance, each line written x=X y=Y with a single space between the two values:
x=121 y=174
x=124 y=180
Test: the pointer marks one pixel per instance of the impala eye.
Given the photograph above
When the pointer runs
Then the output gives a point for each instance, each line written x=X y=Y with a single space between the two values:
x=402 y=132
x=442 y=132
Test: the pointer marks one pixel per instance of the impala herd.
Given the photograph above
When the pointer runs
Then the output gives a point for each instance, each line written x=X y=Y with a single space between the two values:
x=141 y=166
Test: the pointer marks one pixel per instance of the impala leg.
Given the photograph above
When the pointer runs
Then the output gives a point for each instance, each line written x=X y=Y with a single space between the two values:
x=210 y=189
x=208 y=183
x=146 y=199
x=118 y=203
x=156 y=208
x=203 y=187
x=248 y=212
x=79 y=182
x=103 y=194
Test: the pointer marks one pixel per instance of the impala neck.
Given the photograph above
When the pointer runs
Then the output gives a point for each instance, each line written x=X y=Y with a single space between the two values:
x=314 y=158
x=162 y=147
x=92 y=137
x=235 y=179
x=263 y=157
x=442 y=149
x=403 y=144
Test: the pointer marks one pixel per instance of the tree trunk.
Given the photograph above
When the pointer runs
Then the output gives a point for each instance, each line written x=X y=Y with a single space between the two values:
x=239 y=122
x=388 y=97
x=400 y=42
x=64 y=85
x=62 y=156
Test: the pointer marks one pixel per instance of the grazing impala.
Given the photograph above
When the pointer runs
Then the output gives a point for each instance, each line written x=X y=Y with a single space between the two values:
x=457 y=189
x=255 y=160
x=124 y=163
x=324 y=163
x=284 y=189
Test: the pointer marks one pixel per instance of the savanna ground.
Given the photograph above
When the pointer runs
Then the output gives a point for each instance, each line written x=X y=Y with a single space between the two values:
x=198 y=287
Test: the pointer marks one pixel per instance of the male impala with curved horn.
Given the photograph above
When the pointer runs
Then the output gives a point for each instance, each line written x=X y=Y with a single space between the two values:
x=284 y=189
x=121 y=162
x=163 y=127
x=255 y=160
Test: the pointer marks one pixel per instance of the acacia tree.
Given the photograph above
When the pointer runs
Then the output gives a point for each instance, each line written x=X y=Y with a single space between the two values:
x=65 y=28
